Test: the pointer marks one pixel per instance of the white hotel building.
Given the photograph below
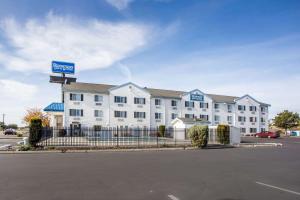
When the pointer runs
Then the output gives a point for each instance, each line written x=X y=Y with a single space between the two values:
x=129 y=105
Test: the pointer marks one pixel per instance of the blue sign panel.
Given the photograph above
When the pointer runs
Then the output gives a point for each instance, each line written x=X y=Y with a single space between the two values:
x=196 y=97
x=63 y=67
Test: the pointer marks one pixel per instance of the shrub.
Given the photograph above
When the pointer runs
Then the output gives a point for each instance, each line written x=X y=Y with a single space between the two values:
x=162 y=130
x=35 y=132
x=198 y=136
x=19 y=135
x=24 y=148
x=223 y=133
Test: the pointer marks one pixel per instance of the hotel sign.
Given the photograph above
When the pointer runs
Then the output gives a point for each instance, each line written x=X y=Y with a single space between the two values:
x=63 y=67
x=196 y=97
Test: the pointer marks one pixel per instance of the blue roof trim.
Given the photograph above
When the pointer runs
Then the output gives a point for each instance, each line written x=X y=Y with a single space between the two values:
x=55 y=107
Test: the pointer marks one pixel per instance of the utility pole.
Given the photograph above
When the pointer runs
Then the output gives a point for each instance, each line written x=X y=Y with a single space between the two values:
x=3 y=116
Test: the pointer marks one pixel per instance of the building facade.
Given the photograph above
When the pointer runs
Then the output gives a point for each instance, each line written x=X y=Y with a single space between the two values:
x=129 y=105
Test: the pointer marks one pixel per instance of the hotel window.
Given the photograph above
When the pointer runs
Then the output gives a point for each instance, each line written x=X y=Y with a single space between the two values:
x=121 y=114
x=229 y=118
x=157 y=115
x=173 y=103
x=98 y=98
x=76 y=112
x=119 y=99
x=140 y=115
x=189 y=116
x=217 y=118
x=205 y=117
x=98 y=113
x=229 y=108
x=173 y=116
x=139 y=100
x=253 y=130
x=252 y=119
x=189 y=104
x=263 y=109
x=203 y=105
x=241 y=107
x=157 y=102
x=262 y=120
x=217 y=106
x=243 y=130
x=252 y=108
x=241 y=119
x=76 y=97
x=262 y=130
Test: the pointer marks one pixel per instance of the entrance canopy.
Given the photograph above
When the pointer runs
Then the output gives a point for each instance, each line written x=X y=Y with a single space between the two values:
x=55 y=107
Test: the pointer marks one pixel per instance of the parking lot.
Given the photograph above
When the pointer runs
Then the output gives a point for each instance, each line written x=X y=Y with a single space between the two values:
x=234 y=173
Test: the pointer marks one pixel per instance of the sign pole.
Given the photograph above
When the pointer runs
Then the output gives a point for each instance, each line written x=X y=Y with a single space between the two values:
x=62 y=90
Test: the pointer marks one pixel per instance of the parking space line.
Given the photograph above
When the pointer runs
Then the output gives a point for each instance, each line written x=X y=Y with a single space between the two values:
x=172 y=197
x=278 y=188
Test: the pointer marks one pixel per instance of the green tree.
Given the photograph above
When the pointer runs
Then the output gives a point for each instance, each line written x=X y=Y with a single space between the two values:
x=13 y=126
x=2 y=126
x=286 y=120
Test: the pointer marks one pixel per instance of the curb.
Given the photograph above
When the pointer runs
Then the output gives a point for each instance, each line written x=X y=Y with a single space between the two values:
x=260 y=145
x=97 y=150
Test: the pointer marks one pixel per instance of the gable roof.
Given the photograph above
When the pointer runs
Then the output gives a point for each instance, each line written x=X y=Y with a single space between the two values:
x=165 y=93
x=55 y=107
x=88 y=87
x=247 y=95
x=222 y=98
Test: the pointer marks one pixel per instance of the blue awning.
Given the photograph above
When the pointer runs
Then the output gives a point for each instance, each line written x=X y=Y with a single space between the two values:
x=55 y=107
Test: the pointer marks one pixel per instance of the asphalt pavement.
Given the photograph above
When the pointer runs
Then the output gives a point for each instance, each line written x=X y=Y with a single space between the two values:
x=221 y=174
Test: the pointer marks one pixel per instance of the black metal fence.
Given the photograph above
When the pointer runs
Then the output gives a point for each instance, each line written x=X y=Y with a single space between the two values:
x=114 y=137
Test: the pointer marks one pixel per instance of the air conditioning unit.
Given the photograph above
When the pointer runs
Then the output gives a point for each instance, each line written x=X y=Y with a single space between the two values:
x=158 y=107
x=120 y=105
x=242 y=123
x=76 y=103
x=121 y=120
x=76 y=118
x=229 y=111
x=98 y=104
x=189 y=108
x=253 y=112
x=98 y=119
x=174 y=108
x=253 y=123
x=204 y=109
x=217 y=111
x=242 y=112
x=158 y=120
x=140 y=106
x=140 y=120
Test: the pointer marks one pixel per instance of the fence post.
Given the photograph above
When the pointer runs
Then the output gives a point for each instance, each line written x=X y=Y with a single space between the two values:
x=174 y=134
x=157 y=137
x=117 y=136
x=138 y=138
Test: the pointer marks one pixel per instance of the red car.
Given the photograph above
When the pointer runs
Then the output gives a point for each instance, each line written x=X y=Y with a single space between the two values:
x=267 y=134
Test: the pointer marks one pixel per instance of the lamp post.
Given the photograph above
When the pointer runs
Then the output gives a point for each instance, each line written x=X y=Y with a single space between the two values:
x=3 y=116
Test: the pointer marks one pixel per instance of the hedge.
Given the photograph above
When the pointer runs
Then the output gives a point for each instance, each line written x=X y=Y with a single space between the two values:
x=162 y=130
x=35 y=131
x=198 y=136
x=223 y=133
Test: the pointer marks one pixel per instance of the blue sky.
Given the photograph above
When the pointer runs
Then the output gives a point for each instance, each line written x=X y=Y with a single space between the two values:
x=229 y=47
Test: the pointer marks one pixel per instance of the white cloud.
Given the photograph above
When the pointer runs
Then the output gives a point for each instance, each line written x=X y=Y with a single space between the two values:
x=11 y=89
x=119 y=4
x=90 y=44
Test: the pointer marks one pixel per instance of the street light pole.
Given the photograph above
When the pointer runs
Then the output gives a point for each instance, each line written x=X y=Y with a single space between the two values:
x=3 y=116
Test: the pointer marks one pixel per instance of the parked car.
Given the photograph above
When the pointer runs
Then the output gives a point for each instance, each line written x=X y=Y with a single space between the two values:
x=267 y=134
x=10 y=131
